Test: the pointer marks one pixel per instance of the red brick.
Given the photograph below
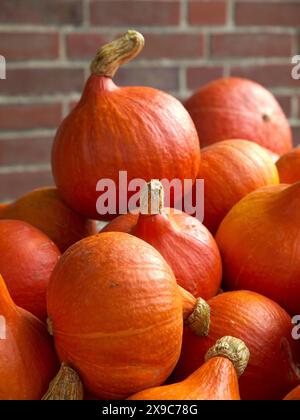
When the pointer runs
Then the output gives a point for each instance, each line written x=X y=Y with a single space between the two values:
x=270 y=75
x=207 y=12
x=84 y=45
x=27 y=116
x=165 y=78
x=251 y=45
x=42 y=81
x=285 y=103
x=268 y=14
x=296 y=135
x=13 y=185
x=199 y=76
x=135 y=12
x=25 y=151
x=39 y=12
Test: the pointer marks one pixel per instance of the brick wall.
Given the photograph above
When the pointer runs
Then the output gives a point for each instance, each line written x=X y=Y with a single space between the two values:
x=48 y=45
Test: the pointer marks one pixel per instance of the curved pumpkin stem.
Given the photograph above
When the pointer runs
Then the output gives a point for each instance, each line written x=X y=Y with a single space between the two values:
x=65 y=386
x=118 y=52
x=152 y=198
x=196 y=313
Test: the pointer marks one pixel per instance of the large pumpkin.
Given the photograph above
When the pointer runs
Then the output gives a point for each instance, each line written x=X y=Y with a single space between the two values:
x=235 y=108
x=141 y=130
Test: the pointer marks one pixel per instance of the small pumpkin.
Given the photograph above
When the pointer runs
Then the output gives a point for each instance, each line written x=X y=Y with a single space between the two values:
x=140 y=130
x=260 y=245
x=293 y=395
x=186 y=245
x=265 y=328
x=27 y=357
x=232 y=169
x=216 y=379
x=27 y=259
x=116 y=314
x=289 y=166
x=237 y=108
x=44 y=209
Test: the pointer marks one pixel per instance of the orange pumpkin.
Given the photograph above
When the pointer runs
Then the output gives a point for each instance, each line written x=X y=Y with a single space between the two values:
x=217 y=379
x=260 y=245
x=265 y=328
x=236 y=108
x=140 y=130
x=289 y=166
x=44 y=209
x=27 y=259
x=294 y=394
x=231 y=169
x=27 y=357
x=182 y=240
x=116 y=314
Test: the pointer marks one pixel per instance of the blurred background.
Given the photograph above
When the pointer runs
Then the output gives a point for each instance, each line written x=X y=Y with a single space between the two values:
x=48 y=45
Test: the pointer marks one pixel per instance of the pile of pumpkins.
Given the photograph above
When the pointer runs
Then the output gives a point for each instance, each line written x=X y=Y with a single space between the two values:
x=157 y=305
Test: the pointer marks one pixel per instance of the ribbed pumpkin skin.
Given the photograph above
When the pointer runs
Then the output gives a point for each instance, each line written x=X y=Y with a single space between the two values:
x=215 y=380
x=260 y=245
x=289 y=167
x=27 y=358
x=44 y=209
x=140 y=130
x=232 y=169
x=294 y=394
x=235 y=108
x=27 y=259
x=185 y=244
x=116 y=314
x=266 y=330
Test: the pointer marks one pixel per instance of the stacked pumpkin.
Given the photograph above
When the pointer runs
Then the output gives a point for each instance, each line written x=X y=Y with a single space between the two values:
x=136 y=311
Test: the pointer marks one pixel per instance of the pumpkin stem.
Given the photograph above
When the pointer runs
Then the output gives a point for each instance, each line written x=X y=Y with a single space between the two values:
x=152 y=198
x=199 y=319
x=118 y=52
x=49 y=326
x=233 y=349
x=65 y=386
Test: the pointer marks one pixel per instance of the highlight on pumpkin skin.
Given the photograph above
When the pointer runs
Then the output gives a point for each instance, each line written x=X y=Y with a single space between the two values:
x=65 y=386
x=216 y=379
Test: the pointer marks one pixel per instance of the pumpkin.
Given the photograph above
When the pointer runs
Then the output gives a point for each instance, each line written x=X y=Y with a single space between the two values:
x=265 y=328
x=116 y=314
x=27 y=357
x=294 y=394
x=216 y=379
x=260 y=245
x=186 y=245
x=44 y=209
x=236 y=108
x=231 y=169
x=27 y=259
x=138 y=130
x=289 y=166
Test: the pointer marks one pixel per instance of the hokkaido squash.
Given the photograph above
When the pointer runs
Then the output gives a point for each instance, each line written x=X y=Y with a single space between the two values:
x=140 y=130
x=187 y=246
x=265 y=328
x=27 y=259
x=44 y=209
x=27 y=357
x=217 y=379
x=231 y=169
x=236 y=108
x=116 y=314
x=260 y=245
x=289 y=166
x=294 y=394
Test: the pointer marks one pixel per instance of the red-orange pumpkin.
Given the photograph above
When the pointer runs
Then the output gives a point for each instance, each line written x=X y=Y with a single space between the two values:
x=182 y=240
x=141 y=130
x=260 y=245
x=294 y=394
x=231 y=169
x=236 y=108
x=44 y=209
x=265 y=328
x=27 y=358
x=27 y=259
x=116 y=314
x=217 y=379
x=289 y=166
